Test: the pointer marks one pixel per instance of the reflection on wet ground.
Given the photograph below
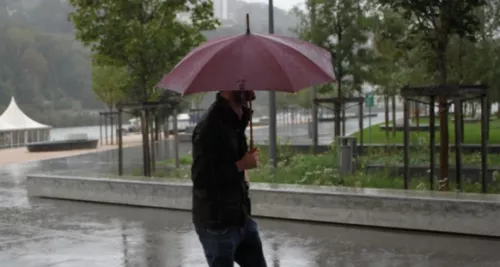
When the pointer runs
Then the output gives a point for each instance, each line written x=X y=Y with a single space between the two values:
x=41 y=232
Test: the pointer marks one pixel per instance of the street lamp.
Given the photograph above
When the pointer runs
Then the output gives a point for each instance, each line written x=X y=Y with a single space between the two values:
x=272 y=101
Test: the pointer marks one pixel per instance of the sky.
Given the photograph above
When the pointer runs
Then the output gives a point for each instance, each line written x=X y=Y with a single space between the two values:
x=284 y=4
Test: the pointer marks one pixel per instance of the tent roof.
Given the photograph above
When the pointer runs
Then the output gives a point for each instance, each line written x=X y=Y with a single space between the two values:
x=13 y=119
x=5 y=127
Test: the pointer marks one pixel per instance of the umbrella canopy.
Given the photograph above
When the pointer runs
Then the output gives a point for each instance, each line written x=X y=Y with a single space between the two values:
x=262 y=62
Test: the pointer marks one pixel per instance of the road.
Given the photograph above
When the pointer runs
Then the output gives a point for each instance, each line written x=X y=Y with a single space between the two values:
x=298 y=133
x=50 y=233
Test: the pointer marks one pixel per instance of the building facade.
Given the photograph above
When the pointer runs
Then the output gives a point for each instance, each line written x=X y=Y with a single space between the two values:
x=221 y=9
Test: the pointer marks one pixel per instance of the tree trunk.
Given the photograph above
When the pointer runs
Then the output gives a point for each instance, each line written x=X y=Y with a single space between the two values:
x=394 y=116
x=145 y=143
x=338 y=60
x=344 y=118
x=461 y=54
x=152 y=150
x=417 y=114
x=462 y=127
x=386 y=113
x=488 y=122
x=111 y=126
x=443 y=115
x=338 y=114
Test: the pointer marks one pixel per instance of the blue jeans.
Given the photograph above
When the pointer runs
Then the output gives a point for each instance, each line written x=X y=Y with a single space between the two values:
x=225 y=246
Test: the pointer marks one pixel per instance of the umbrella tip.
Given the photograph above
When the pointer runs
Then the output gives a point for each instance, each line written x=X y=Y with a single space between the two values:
x=248 y=23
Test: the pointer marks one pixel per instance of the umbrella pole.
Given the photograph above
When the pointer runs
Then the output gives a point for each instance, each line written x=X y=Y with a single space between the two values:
x=251 y=126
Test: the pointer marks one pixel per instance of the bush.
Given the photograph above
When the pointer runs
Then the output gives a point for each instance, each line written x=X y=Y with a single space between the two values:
x=322 y=169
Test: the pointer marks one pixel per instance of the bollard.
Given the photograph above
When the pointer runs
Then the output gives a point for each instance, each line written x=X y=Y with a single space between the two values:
x=352 y=142
x=345 y=154
x=345 y=160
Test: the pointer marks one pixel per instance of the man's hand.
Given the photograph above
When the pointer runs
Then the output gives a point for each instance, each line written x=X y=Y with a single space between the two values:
x=249 y=161
x=247 y=177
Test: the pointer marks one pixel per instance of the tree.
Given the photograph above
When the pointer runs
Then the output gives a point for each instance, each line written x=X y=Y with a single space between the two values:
x=438 y=21
x=48 y=74
x=398 y=59
x=109 y=84
x=341 y=27
x=472 y=62
x=143 y=36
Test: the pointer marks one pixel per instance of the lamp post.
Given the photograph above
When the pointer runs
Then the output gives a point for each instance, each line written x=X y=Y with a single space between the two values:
x=272 y=101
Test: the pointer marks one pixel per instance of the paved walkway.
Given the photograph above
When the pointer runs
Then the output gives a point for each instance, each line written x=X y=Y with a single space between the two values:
x=48 y=233
x=21 y=154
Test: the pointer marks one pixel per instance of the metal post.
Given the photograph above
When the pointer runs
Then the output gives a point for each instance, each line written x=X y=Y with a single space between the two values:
x=369 y=123
x=458 y=144
x=176 y=141
x=361 y=143
x=432 y=142
x=152 y=142
x=314 y=114
x=484 y=142
x=145 y=142
x=406 y=138
x=111 y=115
x=100 y=129
x=272 y=102
x=106 y=128
x=343 y=120
x=120 y=143
x=462 y=129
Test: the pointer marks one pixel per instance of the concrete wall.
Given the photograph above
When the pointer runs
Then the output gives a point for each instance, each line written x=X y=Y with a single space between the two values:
x=416 y=210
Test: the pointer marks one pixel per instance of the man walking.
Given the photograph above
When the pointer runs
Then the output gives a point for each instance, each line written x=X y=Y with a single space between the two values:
x=221 y=206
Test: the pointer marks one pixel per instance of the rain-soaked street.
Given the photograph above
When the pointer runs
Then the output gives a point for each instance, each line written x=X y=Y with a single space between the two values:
x=43 y=233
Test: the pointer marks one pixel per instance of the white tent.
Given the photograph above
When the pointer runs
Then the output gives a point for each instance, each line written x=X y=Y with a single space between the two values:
x=17 y=129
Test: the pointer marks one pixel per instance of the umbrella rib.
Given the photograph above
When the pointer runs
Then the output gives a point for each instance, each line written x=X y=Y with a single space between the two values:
x=205 y=46
x=279 y=40
x=281 y=67
x=222 y=47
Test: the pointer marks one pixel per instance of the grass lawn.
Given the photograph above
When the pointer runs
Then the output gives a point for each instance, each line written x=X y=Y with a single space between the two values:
x=472 y=134
x=422 y=157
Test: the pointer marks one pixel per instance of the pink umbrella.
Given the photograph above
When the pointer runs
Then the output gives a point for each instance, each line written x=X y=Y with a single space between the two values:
x=251 y=62
x=263 y=62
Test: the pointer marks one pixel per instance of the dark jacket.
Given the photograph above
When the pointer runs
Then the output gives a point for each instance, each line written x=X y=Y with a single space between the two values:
x=220 y=193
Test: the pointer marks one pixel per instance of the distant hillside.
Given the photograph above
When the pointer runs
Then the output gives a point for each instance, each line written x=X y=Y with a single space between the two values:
x=49 y=72
x=42 y=65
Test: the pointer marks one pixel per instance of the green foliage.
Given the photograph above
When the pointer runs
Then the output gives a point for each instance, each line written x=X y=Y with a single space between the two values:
x=109 y=84
x=438 y=19
x=46 y=71
x=302 y=99
x=321 y=169
x=341 y=27
x=143 y=36
x=398 y=56
x=436 y=22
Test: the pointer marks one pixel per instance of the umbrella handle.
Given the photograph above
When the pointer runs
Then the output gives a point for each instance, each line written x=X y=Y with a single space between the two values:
x=251 y=126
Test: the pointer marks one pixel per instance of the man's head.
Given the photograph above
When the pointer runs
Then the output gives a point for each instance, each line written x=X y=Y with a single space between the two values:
x=239 y=97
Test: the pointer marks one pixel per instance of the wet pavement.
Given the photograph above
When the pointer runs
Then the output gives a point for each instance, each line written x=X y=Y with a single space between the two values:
x=299 y=133
x=47 y=233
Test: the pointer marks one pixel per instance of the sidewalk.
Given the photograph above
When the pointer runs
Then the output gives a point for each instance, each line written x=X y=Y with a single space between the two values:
x=21 y=154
